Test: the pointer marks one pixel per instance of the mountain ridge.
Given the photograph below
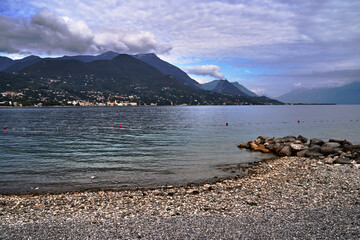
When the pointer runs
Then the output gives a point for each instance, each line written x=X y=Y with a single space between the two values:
x=347 y=94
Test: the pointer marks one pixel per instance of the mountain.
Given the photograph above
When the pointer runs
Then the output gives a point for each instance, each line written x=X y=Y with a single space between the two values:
x=348 y=94
x=244 y=89
x=89 y=58
x=168 y=69
x=112 y=76
x=21 y=64
x=5 y=63
x=223 y=86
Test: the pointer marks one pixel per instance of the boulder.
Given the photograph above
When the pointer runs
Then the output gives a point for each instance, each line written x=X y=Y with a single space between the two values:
x=302 y=139
x=343 y=160
x=328 y=150
x=278 y=146
x=315 y=148
x=313 y=154
x=289 y=139
x=285 y=151
x=356 y=147
x=316 y=141
x=302 y=153
x=332 y=144
x=259 y=141
x=243 y=146
x=298 y=147
x=329 y=160
x=340 y=141
x=253 y=145
x=347 y=147
x=271 y=147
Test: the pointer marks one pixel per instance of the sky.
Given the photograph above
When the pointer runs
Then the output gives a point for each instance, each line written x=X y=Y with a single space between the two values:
x=269 y=46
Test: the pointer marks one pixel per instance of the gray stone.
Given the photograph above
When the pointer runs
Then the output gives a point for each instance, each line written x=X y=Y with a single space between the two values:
x=302 y=153
x=332 y=144
x=316 y=141
x=313 y=154
x=302 y=139
x=315 y=148
x=258 y=141
x=348 y=147
x=340 y=141
x=328 y=150
x=356 y=147
x=285 y=151
x=271 y=147
x=278 y=146
x=343 y=160
x=289 y=139
x=298 y=147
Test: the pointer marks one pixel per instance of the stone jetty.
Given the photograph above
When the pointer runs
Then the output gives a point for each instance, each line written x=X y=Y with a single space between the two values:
x=334 y=151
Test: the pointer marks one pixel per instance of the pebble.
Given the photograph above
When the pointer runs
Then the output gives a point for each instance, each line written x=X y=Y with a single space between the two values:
x=283 y=184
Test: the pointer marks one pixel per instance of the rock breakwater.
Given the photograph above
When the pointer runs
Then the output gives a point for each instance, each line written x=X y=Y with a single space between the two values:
x=334 y=151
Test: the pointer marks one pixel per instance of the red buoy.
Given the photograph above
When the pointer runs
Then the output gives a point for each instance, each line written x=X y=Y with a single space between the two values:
x=120 y=126
x=298 y=121
x=227 y=124
x=4 y=128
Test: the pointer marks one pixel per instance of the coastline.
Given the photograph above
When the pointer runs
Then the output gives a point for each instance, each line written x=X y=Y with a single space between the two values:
x=287 y=184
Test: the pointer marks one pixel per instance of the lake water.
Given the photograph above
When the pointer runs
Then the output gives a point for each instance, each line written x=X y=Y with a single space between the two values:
x=65 y=149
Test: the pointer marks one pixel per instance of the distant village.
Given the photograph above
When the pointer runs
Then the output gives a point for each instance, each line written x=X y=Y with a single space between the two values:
x=16 y=99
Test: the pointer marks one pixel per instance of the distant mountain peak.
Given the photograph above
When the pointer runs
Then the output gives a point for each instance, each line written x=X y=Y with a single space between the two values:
x=168 y=69
x=108 y=54
x=347 y=94
x=223 y=86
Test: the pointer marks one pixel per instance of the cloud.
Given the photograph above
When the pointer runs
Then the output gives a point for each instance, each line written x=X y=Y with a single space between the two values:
x=48 y=33
x=287 y=40
x=259 y=91
x=205 y=70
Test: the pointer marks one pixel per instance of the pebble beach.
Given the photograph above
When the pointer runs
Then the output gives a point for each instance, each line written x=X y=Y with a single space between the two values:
x=285 y=197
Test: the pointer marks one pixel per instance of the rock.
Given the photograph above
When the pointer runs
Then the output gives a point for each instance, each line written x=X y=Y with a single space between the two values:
x=270 y=147
x=302 y=153
x=332 y=144
x=278 y=147
x=253 y=145
x=313 y=154
x=329 y=160
x=342 y=160
x=328 y=150
x=243 y=146
x=356 y=166
x=315 y=148
x=285 y=151
x=289 y=139
x=316 y=141
x=298 y=147
x=340 y=141
x=348 y=147
x=356 y=147
x=258 y=141
x=302 y=139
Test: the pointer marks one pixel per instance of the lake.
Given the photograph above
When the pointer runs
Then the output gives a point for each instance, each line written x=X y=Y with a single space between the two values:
x=76 y=148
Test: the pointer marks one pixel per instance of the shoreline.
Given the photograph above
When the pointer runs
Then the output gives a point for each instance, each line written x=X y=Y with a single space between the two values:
x=239 y=170
x=285 y=186
x=257 y=173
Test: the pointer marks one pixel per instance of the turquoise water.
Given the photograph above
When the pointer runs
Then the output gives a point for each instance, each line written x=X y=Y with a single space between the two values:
x=63 y=149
